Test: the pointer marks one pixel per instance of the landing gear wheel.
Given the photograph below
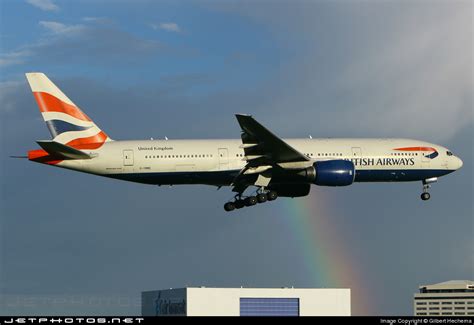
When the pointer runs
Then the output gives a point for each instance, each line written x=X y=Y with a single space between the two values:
x=229 y=206
x=262 y=198
x=239 y=204
x=272 y=195
x=251 y=200
x=426 y=186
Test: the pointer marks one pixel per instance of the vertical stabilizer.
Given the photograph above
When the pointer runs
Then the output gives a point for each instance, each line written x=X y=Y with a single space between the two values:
x=66 y=122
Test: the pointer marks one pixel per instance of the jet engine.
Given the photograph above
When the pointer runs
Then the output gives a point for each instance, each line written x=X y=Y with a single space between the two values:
x=330 y=173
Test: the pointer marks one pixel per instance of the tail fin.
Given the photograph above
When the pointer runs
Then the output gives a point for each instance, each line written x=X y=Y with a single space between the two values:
x=66 y=122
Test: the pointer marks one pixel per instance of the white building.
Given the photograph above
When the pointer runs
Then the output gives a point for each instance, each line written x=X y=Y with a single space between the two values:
x=201 y=301
x=451 y=298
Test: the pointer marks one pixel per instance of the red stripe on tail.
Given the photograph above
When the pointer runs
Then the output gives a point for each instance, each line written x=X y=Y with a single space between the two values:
x=50 y=103
x=93 y=142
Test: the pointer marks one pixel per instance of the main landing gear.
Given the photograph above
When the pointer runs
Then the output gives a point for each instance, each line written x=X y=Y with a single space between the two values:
x=261 y=197
x=426 y=186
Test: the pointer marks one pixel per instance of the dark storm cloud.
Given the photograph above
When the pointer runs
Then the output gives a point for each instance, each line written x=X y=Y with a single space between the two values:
x=98 y=42
x=392 y=67
x=98 y=46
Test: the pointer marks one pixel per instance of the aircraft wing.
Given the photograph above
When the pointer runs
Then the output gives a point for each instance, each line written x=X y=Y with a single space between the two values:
x=262 y=145
x=263 y=152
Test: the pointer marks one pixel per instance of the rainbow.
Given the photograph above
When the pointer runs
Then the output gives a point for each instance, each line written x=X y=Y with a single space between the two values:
x=325 y=250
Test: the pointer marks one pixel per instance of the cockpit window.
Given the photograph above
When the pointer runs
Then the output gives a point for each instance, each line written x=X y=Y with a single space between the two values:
x=449 y=153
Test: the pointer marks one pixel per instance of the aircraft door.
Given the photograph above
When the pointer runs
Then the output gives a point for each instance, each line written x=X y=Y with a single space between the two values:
x=223 y=155
x=128 y=157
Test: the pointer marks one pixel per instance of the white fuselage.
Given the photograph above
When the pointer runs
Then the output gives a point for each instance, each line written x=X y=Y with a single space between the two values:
x=217 y=162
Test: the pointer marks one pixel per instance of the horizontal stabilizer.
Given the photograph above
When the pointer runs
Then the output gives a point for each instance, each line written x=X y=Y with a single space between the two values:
x=62 y=151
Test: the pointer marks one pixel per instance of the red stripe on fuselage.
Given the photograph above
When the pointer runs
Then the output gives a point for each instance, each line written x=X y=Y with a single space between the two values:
x=416 y=149
x=50 y=103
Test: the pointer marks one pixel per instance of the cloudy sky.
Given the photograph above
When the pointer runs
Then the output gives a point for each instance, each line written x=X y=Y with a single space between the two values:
x=78 y=244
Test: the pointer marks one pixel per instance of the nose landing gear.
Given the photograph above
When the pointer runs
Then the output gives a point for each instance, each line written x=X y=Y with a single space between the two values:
x=426 y=186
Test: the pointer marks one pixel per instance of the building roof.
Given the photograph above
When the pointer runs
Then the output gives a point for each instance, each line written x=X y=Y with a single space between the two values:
x=453 y=284
x=249 y=288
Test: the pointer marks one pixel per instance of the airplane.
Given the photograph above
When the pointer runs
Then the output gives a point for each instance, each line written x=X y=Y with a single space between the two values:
x=273 y=167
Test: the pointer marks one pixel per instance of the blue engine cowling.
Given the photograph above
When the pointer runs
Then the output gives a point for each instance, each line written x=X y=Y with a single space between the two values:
x=334 y=173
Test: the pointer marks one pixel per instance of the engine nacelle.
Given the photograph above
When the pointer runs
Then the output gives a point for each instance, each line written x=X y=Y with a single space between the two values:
x=334 y=173
x=329 y=173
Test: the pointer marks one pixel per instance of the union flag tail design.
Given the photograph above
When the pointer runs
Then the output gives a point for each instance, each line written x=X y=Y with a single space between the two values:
x=67 y=124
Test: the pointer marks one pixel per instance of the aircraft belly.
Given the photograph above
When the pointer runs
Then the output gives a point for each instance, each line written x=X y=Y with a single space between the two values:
x=218 y=178
x=397 y=175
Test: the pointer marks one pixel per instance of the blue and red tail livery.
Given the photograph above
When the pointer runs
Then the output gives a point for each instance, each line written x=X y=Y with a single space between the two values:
x=66 y=122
